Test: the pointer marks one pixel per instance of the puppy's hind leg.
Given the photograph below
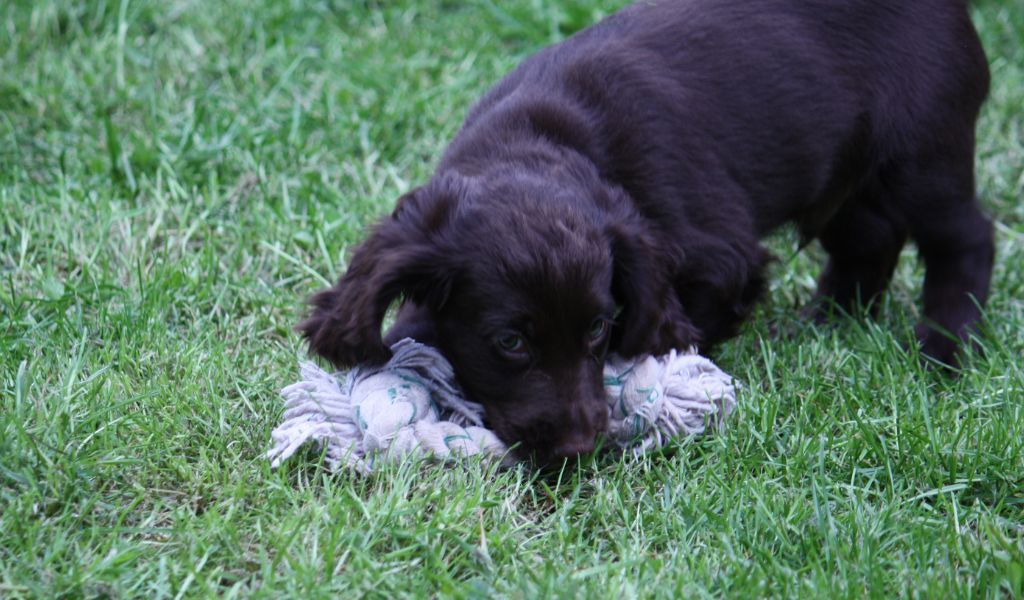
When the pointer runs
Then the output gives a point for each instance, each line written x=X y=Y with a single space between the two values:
x=955 y=240
x=863 y=243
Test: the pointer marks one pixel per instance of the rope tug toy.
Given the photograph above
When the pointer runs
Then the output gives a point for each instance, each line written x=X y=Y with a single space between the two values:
x=411 y=405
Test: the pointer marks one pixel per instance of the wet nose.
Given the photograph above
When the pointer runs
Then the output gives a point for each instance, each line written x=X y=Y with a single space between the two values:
x=589 y=420
x=575 y=445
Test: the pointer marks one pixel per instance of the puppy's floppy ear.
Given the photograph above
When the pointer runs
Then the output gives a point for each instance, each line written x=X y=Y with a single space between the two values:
x=651 y=320
x=408 y=253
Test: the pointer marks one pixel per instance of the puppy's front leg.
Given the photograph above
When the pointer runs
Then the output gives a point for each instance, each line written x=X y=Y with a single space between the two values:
x=413 y=321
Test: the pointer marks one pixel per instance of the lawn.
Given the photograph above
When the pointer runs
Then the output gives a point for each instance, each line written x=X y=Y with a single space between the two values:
x=177 y=176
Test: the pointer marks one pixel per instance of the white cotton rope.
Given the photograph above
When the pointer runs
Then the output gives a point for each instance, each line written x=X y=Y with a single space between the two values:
x=412 y=406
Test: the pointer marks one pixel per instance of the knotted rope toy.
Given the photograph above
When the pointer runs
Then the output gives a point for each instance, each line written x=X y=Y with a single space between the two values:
x=412 y=406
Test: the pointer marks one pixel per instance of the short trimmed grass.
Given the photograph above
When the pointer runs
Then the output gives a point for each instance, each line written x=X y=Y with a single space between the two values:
x=177 y=176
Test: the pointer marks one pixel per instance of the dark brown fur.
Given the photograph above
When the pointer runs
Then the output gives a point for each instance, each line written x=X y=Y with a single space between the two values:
x=626 y=175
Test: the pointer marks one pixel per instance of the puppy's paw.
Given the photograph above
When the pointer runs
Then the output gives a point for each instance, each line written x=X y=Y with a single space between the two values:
x=939 y=348
x=819 y=311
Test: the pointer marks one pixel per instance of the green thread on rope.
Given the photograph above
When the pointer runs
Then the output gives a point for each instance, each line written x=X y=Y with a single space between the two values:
x=620 y=379
x=458 y=436
x=652 y=394
x=363 y=425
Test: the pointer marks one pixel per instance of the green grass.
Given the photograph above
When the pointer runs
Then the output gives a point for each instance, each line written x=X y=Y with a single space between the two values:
x=177 y=176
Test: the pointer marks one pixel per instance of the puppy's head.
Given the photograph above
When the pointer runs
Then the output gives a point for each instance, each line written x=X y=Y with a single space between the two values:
x=526 y=287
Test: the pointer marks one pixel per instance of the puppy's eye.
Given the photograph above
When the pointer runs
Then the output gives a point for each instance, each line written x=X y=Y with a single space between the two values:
x=597 y=329
x=512 y=344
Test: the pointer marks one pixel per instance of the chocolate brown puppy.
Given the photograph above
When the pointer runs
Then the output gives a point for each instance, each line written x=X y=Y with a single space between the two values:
x=610 y=194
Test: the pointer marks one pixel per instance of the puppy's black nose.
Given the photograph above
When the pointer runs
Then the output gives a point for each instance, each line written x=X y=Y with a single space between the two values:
x=574 y=446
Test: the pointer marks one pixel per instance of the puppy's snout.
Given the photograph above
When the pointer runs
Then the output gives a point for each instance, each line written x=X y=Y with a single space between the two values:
x=589 y=422
x=575 y=446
